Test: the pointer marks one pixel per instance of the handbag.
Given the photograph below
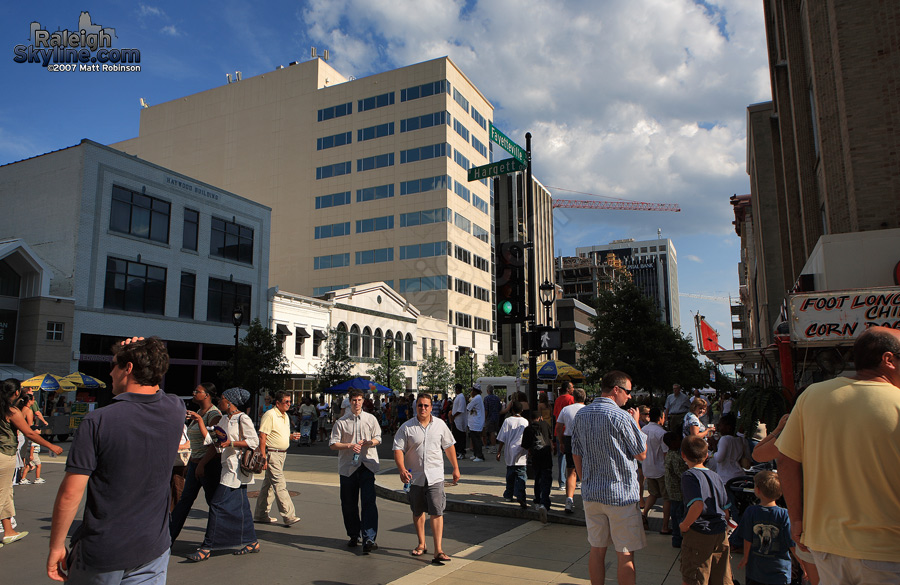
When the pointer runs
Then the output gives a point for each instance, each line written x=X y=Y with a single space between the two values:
x=252 y=460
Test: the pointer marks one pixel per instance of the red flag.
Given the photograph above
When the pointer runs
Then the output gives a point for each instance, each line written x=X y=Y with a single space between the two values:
x=709 y=339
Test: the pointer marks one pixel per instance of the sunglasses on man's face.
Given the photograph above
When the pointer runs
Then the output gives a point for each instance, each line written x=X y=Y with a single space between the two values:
x=625 y=390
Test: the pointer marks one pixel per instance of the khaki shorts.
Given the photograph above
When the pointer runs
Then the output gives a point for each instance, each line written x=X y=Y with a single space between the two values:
x=836 y=569
x=618 y=526
x=657 y=487
x=704 y=559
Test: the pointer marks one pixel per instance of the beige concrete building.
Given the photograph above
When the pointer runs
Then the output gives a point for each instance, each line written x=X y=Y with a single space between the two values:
x=366 y=178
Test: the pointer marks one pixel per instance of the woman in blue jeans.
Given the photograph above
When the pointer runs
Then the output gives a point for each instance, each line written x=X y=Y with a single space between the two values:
x=204 y=466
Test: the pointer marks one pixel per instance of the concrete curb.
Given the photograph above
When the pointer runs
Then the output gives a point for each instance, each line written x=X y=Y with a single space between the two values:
x=484 y=509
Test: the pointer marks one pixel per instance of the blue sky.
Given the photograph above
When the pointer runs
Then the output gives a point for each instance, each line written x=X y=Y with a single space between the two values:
x=642 y=100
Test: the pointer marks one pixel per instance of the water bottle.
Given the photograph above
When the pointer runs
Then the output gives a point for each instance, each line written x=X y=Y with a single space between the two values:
x=355 y=461
x=407 y=484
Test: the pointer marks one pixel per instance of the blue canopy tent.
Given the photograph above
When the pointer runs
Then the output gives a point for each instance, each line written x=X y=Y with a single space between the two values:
x=358 y=384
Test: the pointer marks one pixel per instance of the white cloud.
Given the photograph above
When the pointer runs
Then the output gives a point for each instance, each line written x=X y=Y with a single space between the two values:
x=170 y=30
x=641 y=100
x=144 y=10
x=693 y=258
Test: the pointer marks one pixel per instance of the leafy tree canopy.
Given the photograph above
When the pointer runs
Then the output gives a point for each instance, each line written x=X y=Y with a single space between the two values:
x=437 y=374
x=387 y=371
x=261 y=365
x=494 y=368
x=337 y=366
x=627 y=335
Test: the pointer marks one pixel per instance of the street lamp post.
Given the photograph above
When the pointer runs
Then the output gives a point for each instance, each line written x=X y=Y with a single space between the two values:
x=548 y=296
x=471 y=368
x=389 y=346
x=237 y=317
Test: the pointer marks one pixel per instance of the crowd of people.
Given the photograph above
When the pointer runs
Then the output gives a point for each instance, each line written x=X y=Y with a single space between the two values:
x=835 y=528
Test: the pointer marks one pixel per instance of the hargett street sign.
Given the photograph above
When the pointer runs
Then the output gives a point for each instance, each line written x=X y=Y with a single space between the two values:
x=503 y=167
x=511 y=147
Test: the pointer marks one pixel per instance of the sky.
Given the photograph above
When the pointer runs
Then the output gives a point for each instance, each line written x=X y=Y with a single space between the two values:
x=641 y=100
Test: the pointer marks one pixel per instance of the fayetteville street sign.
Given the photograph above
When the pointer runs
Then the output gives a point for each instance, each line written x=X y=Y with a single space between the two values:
x=508 y=145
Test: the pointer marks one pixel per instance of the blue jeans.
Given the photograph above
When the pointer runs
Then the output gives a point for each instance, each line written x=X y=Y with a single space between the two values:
x=152 y=573
x=359 y=488
x=515 y=483
x=192 y=485
x=543 y=481
x=676 y=514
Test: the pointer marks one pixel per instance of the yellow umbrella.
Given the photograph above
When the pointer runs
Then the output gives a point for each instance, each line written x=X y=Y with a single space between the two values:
x=84 y=381
x=556 y=370
x=49 y=383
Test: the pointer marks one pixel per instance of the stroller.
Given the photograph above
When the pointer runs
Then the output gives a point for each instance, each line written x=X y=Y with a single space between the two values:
x=305 y=431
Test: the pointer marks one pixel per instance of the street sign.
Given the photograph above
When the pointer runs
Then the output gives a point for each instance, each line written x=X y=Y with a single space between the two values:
x=511 y=147
x=503 y=167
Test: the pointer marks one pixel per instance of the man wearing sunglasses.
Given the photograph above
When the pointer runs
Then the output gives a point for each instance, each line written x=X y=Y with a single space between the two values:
x=607 y=443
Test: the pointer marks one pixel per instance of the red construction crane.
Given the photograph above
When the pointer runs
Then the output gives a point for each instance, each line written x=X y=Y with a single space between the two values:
x=616 y=205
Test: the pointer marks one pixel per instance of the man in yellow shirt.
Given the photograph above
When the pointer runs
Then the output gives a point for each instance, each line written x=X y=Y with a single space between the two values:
x=840 y=467
x=274 y=440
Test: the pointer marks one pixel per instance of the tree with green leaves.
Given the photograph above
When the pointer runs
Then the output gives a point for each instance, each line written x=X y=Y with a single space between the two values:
x=437 y=375
x=387 y=371
x=261 y=365
x=337 y=366
x=494 y=368
x=465 y=371
x=627 y=335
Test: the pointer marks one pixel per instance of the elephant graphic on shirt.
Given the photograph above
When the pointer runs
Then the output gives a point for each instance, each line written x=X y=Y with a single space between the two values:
x=767 y=534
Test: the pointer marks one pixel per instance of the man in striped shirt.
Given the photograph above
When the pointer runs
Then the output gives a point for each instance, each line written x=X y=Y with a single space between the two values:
x=607 y=443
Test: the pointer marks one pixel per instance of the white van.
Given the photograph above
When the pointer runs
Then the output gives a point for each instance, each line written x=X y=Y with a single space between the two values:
x=503 y=385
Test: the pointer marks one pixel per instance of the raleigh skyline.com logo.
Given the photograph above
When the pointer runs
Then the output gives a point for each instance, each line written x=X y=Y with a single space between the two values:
x=89 y=48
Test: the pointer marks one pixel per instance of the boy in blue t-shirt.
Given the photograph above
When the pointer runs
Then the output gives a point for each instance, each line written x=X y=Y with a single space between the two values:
x=704 y=550
x=766 y=530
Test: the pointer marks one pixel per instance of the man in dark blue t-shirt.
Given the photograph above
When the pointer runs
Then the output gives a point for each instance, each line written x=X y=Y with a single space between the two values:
x=123 y=454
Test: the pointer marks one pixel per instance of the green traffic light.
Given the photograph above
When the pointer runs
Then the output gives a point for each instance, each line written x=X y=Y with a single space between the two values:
x=506 y=307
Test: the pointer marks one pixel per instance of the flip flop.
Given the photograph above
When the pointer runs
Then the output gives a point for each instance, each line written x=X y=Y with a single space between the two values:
x=418 y=551
x=440 y=558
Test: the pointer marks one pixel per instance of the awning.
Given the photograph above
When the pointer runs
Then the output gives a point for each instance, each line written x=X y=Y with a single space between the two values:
x=14 y=371
x=282 y=329
x=318 y=335
x=301 y=333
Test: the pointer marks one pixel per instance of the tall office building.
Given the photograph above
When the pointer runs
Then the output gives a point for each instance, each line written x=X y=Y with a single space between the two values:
x=654 y=270
x=366 y=179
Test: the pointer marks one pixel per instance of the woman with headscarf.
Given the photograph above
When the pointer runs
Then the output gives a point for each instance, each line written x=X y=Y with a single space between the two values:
x=230 y=522
x=11 y=423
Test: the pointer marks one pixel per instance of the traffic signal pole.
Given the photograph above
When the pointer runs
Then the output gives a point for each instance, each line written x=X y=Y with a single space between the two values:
x=532 y=279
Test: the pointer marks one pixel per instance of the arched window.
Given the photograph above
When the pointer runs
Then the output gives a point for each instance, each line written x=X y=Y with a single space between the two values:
x=354 y=341
x=367 y=342
x=408 y=349
x=398 y=345
x=379 y=341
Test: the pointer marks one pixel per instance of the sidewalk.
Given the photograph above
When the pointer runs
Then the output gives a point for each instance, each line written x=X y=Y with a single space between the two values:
x=531 y=554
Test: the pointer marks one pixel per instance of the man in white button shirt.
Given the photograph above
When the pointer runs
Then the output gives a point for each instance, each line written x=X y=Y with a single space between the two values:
x=417 y=452
x=355 y=437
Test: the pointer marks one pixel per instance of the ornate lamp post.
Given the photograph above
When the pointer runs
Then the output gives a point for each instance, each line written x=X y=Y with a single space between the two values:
x=237 y=317
x=388 y=347
x=548 y=297
x=471 y=367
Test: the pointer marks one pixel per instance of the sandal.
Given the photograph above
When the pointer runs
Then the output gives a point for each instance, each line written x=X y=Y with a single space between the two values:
x=440 y=558
x=418 y=551
x=201 y=555
x=248 y=549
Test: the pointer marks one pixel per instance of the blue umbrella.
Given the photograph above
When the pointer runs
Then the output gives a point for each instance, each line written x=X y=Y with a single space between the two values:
x=358 y=384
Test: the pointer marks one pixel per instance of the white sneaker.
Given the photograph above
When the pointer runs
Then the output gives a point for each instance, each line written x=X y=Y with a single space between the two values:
x=570 y=506
x=542 y=511
x=24 y=482
x=477 y=459
x=40 y=480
